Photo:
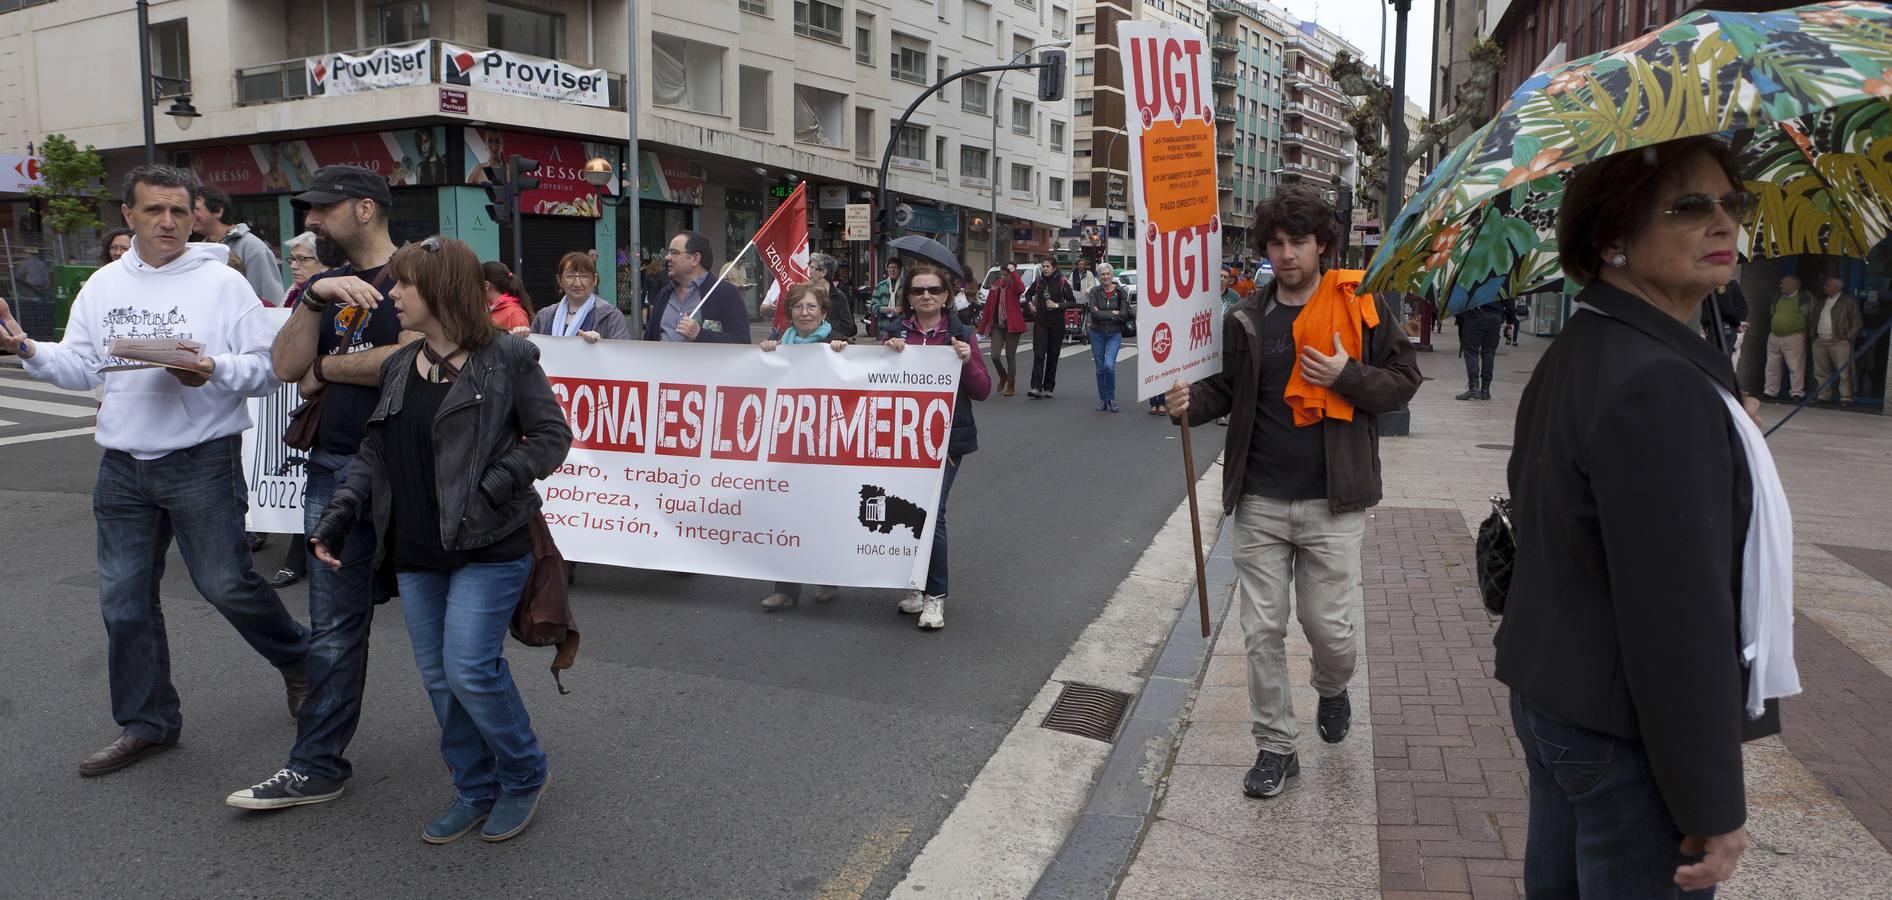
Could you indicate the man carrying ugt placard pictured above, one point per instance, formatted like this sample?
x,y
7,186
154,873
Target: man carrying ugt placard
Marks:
x,y
1307,365
334,349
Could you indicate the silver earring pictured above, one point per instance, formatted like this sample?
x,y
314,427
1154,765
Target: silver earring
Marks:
x,y
1619,260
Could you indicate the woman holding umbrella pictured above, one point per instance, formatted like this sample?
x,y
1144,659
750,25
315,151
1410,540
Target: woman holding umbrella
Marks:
x,y
1654,546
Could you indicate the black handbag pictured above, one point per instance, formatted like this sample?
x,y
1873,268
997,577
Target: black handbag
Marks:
x,y
1497,555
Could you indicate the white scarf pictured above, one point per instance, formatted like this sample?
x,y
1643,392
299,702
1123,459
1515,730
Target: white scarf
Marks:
x,y
558,316
1766,573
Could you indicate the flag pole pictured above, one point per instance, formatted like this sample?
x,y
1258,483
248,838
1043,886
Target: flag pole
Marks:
x,y
719,278
1195,527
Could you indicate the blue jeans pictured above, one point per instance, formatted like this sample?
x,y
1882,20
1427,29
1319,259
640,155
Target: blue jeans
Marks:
x,y
1104,347
936,567
1598,826
198,496
341,609
457,623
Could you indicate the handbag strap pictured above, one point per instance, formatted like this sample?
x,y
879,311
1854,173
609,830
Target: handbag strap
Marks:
x,y
354,328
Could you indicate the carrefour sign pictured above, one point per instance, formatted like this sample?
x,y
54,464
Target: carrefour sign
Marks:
x,y
17,173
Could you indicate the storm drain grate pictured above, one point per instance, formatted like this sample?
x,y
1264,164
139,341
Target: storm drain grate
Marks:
x,y
1087,710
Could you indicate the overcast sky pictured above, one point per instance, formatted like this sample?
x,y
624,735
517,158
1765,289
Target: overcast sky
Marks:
x,y
1359,22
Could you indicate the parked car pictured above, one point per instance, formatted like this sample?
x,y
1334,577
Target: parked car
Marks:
x,y
1026,270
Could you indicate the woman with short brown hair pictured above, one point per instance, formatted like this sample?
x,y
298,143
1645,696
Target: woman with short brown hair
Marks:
x,y
580,312
465,425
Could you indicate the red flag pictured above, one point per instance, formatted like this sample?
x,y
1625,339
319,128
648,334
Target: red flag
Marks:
x,y
783,245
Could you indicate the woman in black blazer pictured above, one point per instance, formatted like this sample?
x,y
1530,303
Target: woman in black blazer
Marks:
x,y
1623,632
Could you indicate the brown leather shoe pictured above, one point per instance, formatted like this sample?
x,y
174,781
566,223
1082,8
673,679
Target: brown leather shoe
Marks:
x,y
119,754
295,684
1011,384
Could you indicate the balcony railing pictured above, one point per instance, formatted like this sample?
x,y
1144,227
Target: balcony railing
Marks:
x,y
1224,44
1224,8
1225,113
1222,78
1225,150
1331,90
1225,185
1298,108
1303,45
278,82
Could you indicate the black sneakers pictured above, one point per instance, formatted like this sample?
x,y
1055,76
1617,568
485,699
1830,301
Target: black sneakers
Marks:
x,y
284,789
1270,774
1334,718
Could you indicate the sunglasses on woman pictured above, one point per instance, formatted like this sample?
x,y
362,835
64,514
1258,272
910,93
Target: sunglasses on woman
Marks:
x,y
1697,209
919,289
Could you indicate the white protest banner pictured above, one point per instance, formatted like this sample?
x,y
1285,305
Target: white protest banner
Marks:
x,y
1172,169
799,465
278,475
504,72
382,67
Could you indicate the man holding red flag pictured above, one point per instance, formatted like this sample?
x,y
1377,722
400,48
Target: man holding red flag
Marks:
x,y
674,313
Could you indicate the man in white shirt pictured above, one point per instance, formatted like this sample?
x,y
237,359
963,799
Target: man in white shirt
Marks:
x,y
1835,327
172,445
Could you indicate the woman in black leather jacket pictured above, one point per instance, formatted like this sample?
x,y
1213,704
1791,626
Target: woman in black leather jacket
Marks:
x,y
466,423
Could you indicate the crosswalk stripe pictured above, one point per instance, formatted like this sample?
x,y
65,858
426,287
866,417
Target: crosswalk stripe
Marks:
x,y
40,387
67,410
4,423
45,436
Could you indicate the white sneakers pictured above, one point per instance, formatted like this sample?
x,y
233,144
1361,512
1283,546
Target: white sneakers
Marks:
x,y
931,609
933,613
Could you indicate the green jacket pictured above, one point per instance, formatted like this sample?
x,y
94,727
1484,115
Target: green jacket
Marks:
x,y
1806,308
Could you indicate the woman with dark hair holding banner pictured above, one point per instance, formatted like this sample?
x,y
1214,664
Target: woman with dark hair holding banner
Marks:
x,y
465,424
808,309
924,322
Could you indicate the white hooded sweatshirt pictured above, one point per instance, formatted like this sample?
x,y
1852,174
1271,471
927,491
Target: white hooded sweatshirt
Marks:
x,y
147,412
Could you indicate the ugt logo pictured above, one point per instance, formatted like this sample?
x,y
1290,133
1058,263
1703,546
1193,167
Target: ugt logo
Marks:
x,y
1160,343
1200,328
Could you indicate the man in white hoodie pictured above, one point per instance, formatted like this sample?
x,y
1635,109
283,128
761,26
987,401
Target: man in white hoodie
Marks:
x,y
172,445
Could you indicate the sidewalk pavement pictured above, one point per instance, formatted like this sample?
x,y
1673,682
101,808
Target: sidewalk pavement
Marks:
x,y
1427,796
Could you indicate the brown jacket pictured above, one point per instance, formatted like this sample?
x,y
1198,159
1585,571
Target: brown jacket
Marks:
x,y
1847,321
1382,383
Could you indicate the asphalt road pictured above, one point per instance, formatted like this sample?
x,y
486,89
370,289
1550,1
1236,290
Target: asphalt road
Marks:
x,y
707,750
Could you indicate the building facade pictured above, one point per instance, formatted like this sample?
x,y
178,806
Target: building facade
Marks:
x,y
738,100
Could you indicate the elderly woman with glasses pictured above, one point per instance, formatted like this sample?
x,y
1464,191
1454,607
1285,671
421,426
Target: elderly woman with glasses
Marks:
x,y
580,312
808,310
1648,628
924,321
303,265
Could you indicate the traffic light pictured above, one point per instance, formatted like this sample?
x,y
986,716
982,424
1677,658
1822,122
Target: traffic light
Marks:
x,y
522,178
1051,77
499,199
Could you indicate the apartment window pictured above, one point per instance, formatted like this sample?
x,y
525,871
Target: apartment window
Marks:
x,y
686,74
1054,191
1081,188
171,56
402,22
753,98
818,20
974,93
1087,28
1082,106
1057,135
1060,21
939,75
978,24
972,162
864,132
1021,179
939,155
523,30
1021,116
864,39
910,144
819,115
1021,46
759,7
1028,4
909,58
1086,65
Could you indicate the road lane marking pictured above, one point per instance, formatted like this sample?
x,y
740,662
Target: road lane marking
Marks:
x,y
870,856
46,436
28,384
67,410
4,423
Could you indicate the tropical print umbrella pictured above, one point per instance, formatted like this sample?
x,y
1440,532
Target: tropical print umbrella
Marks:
x,y
1804,95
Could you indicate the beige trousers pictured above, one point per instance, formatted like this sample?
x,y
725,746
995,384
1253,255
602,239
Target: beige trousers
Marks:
x,y
1789,351
1829,354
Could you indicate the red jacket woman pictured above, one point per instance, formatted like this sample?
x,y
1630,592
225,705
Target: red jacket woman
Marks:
x,y
1002,322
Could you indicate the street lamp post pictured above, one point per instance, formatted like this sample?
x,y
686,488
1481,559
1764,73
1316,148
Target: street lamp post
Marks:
x,y
181,111
992,226
1396,153
1110,187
